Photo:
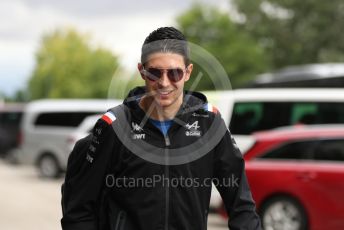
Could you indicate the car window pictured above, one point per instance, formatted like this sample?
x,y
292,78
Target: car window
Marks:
x,y
318,150
249,117
302,150
65,119
329,150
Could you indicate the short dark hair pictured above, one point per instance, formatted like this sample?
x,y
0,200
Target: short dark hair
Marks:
x,y
165,40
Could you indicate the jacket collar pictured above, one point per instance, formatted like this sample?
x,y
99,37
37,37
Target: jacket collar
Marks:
x,y
192,101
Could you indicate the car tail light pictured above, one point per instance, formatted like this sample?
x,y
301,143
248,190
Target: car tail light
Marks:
x,y
20,138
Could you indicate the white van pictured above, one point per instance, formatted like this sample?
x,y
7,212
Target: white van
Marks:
x,y
249,110
46,127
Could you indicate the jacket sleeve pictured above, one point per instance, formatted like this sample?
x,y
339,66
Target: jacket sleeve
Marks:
x,y
231,181
85,178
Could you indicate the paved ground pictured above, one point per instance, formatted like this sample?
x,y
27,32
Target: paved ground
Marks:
x,y
28,202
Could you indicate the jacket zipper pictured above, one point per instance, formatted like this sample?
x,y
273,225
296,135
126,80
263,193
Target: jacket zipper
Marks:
x,y
120,220
205,219
167,192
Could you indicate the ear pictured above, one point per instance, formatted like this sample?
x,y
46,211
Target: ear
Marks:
x,y
188,72
140,68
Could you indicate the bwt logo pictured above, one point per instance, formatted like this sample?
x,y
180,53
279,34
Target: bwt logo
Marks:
x,y
139,136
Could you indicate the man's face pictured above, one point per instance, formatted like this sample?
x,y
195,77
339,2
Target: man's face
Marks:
x,y
166,92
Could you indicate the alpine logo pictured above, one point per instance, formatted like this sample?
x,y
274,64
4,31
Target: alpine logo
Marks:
x,y
194,126
193,129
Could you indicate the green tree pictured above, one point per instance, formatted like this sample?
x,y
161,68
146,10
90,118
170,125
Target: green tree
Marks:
x,y
124,80
2,97
19,96
296,32
68,67
240,55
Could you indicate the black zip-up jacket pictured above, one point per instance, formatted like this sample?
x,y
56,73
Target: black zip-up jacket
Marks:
x,y
167,189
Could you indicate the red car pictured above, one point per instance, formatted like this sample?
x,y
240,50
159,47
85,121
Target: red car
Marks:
x,y
297,177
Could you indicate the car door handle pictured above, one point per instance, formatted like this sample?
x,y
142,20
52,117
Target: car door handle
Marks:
x,y
306,176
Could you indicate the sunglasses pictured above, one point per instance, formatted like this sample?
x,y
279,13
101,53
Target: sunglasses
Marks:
x,y
173,74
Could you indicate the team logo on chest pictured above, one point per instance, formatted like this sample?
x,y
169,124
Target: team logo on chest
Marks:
x,y
136,128
192,129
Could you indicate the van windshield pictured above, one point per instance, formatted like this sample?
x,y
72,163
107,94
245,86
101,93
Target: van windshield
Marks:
x,y
249,117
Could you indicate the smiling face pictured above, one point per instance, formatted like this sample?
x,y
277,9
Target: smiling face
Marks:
x,y
165,93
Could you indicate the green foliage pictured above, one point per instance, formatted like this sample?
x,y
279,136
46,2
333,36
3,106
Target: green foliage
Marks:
x,y
124,81
67,67
2,97
240,55
19,96
294,31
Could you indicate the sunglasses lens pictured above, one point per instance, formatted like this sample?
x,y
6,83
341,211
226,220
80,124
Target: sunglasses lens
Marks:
x,y
153,74
175,74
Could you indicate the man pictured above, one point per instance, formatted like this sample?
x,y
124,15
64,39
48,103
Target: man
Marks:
x,y
152,178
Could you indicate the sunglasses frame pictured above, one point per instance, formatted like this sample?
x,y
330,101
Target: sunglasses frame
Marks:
x,y
154,78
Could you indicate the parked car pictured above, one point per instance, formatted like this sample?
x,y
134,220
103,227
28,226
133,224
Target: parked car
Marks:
x,y
46,126
10,118
296,177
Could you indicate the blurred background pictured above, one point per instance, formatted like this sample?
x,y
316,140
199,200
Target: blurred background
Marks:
x,y
284,59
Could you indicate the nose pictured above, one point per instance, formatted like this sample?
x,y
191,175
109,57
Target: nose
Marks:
x,y
164,80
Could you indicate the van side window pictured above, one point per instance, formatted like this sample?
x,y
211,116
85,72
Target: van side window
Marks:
x,y
246,117
331,113
249,117
253,116
304,113
64,119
